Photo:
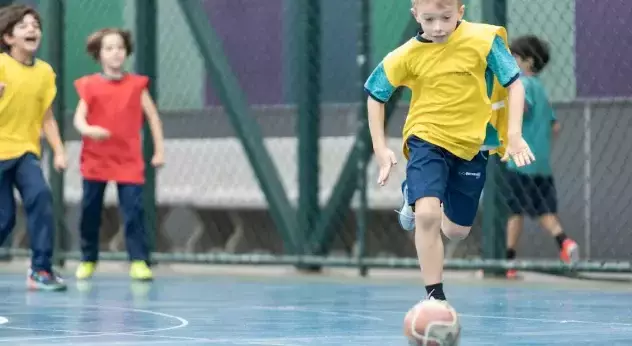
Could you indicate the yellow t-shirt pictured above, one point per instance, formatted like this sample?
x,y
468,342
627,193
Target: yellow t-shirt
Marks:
x,y
450,106
28,93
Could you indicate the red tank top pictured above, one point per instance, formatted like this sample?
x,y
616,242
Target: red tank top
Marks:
x,y
114,105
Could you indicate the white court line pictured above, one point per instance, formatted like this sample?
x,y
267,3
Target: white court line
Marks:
x,y
183,323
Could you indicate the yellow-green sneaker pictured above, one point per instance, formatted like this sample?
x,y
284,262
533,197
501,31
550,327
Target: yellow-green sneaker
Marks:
x,y
139,270
85,270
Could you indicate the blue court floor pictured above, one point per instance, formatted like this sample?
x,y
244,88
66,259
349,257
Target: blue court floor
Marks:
x,y
289,311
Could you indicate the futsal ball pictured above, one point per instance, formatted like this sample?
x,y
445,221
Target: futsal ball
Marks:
x,y
445,330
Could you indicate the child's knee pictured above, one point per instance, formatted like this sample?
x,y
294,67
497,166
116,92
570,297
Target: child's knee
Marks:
x,y
453,231
428,214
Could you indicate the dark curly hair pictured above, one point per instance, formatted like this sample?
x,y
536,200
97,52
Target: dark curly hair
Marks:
x,y
532,47
10,16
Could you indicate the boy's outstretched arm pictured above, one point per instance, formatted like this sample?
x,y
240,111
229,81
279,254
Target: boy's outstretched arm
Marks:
x,y
51,132
504,66
380,89
516,108
385,156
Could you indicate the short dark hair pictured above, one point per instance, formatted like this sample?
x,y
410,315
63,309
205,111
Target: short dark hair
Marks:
x,y
10,16
531,46
95,40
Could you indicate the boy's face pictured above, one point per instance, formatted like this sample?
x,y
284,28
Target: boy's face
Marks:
x,y
438,18
26,35
113,51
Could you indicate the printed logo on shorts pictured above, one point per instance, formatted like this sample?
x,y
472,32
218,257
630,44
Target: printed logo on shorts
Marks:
x,y
476,175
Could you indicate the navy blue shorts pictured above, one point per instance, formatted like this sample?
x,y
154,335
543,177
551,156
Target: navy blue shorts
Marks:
x,y
433,171
533,195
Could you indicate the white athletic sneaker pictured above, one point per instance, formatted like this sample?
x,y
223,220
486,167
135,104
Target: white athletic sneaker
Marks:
x,y
406,216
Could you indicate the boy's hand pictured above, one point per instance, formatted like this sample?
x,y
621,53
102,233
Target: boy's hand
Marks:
x,y
518,150
60,162
385,159
158,160
557,127
97,133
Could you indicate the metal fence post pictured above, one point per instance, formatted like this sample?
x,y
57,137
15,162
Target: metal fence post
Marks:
x,y
53,11
364,63
307,43
146,64
494,214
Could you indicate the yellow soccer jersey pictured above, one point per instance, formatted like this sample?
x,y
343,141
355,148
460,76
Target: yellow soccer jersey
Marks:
x,y
451,85
28,93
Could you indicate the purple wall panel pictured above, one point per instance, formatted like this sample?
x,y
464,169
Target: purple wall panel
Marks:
x,y
604,47
252,34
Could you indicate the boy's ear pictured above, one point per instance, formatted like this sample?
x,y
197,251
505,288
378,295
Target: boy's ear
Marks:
x,y
6,39
461,12
414,13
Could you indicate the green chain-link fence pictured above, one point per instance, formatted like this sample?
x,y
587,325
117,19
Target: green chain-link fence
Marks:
x,y
268,155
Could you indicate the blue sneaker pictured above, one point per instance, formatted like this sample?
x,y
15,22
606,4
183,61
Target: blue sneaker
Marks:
x,y
44,281
406,216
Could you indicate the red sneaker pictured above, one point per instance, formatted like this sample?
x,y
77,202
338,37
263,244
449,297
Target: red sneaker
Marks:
x,y
569,252
512,274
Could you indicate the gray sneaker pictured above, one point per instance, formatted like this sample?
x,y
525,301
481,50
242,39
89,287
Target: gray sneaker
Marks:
x,y
406,216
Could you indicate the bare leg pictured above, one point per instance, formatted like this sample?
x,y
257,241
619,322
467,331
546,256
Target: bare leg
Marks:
x,y
428,240
514,230
569,251
551,224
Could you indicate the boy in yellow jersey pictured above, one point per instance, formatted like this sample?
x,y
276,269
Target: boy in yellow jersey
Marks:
x,y
25,113
447,66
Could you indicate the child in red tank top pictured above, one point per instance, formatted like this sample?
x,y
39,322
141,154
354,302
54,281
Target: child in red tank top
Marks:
x,y
110,115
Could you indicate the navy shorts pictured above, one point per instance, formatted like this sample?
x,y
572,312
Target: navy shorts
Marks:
x,y
433,171
533,195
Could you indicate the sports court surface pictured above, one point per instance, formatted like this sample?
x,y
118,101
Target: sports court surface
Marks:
x,y
305,310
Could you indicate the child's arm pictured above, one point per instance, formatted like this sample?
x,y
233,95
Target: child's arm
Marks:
x,y
51,132
516,109
504,66
556,127
81,124
155,126
380,86
79,120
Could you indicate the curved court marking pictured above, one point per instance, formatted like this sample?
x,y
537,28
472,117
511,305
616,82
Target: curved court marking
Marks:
x,y
317,311
183,323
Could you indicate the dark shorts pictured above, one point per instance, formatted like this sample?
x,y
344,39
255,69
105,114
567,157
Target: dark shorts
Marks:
x,y
531,195
433,171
